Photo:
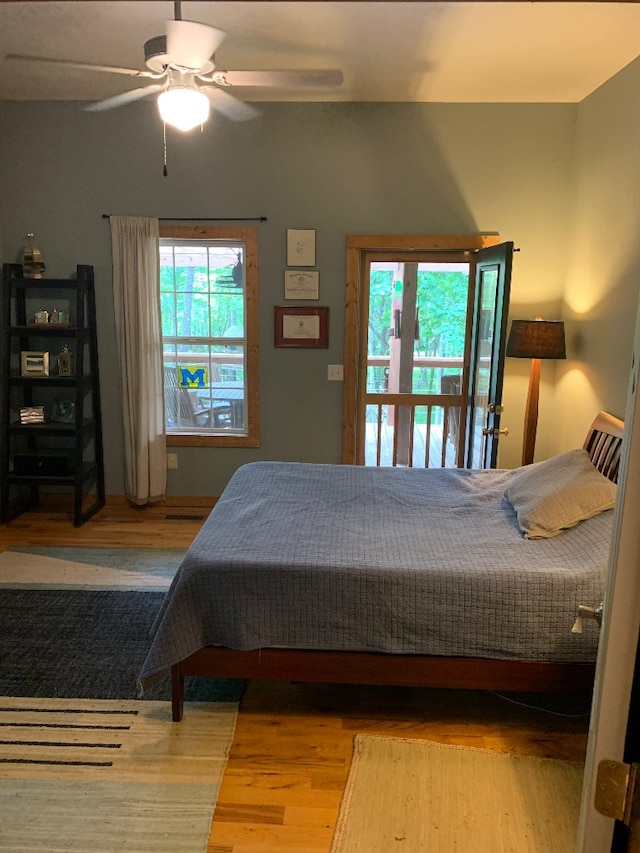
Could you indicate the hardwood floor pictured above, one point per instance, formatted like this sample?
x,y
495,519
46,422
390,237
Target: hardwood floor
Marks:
x,y
292,747
117,525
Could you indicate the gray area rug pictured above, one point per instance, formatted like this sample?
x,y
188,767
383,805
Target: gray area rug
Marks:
x,y
86,644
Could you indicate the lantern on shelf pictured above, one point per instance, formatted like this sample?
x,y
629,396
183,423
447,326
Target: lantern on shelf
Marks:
x,y
66,362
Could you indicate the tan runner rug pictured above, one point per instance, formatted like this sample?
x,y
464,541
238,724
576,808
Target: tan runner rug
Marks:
x,y
110,775
417,796
43,571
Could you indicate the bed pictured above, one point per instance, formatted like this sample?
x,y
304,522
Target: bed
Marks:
x,y
437,577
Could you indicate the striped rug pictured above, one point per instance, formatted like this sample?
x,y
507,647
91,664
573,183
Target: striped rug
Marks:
x,y
110,775
105,775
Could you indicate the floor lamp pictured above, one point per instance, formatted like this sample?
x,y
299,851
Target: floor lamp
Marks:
x,y
534,339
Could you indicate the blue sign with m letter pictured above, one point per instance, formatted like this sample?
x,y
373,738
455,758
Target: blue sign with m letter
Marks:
x,y
193,377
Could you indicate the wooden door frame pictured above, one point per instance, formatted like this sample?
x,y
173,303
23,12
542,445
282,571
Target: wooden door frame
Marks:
x,y
357,246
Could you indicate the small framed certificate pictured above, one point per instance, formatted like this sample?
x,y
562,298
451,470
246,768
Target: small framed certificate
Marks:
x,y
301,327
301,284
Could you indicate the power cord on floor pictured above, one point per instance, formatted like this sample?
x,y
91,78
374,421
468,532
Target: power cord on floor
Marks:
x,y
538,708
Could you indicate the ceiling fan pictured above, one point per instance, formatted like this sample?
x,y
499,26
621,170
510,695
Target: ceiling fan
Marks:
x,y
182,69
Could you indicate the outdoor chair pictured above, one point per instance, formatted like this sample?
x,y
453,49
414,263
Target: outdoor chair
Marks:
x,y
183,408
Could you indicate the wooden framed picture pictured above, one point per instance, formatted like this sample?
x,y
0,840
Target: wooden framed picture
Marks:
x,y
34,363
301,327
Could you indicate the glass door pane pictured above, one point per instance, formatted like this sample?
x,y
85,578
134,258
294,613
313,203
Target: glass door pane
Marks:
x,y
491,305
488,284
415,354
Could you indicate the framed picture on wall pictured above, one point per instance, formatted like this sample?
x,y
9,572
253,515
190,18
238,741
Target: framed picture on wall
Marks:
x,y
301,284
301,327
301,247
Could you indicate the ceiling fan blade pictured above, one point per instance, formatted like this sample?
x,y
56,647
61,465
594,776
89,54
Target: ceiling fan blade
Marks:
x,y
83,66
190,45
229,106
125,98
279,79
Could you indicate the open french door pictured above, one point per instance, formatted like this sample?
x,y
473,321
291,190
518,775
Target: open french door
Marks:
x,y
488,340
424,351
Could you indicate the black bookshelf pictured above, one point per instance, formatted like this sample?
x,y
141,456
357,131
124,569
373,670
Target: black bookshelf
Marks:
x,y
60,446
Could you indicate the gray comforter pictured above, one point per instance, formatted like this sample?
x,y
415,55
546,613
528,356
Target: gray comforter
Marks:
x,y
406,561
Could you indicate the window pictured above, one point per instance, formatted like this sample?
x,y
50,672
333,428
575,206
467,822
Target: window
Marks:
x,y
209,304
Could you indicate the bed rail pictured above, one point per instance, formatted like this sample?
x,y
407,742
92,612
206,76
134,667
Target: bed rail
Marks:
x,y
378,669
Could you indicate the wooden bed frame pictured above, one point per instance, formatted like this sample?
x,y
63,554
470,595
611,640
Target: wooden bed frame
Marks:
x,y
603,443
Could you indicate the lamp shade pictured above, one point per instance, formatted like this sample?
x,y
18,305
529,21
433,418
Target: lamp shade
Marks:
x,y
183,107
536,339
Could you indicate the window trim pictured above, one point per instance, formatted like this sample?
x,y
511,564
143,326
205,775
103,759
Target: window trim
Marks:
x,y
249,236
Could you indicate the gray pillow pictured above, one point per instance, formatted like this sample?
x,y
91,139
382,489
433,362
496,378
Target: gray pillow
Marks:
x,y
556,494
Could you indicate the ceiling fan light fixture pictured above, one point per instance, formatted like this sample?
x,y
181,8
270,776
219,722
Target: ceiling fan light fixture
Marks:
x,y
183,107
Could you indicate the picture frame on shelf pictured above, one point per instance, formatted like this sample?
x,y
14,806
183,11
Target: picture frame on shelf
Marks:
x,y
301,327
32,415
34,363
63,411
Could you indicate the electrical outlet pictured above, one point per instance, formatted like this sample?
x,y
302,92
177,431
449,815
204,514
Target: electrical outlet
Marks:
x,y
335,373
172,461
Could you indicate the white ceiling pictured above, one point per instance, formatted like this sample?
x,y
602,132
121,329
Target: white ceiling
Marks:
x,y
388,51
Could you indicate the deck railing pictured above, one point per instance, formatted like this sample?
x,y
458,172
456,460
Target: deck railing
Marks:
x,y
413,430
424,430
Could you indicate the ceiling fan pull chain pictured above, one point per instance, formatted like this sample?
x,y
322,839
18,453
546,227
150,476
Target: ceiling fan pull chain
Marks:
x,y
164,148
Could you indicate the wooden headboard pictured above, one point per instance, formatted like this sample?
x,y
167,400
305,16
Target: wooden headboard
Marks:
x,y
604,442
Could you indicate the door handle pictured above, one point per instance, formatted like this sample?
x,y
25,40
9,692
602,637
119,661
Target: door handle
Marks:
x,y
496,433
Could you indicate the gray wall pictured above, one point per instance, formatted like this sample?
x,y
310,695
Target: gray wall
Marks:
x,y
339,168
601,295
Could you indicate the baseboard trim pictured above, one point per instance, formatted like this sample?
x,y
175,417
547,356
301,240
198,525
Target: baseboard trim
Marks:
x,y
169,501
61,502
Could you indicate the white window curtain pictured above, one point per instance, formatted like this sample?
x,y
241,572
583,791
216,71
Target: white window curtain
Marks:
x,y
136,296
